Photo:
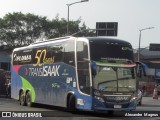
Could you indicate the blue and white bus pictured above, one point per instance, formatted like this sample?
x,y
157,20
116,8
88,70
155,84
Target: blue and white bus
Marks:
x,y
84,73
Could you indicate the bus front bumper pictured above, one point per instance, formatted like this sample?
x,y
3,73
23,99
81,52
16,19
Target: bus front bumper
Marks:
x,y
116,107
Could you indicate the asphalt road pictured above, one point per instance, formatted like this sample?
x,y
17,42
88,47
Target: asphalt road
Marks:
x,y
149,106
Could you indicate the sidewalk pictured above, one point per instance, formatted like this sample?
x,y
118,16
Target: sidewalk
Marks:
x,y
149,101
4,96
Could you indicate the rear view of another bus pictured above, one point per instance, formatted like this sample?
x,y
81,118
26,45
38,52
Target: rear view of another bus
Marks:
x,y
113,74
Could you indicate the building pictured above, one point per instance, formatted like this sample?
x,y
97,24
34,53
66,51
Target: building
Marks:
x,y
5,60
152,61
5,63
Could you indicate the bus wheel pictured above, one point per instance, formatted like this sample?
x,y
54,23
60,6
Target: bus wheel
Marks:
x,y
22,98
28,99
72,103
110,112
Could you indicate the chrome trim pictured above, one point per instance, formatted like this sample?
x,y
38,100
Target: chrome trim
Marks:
x,y
117,95
90,72
87,41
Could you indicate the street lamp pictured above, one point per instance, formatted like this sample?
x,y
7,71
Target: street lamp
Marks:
x,y
68,12
140,40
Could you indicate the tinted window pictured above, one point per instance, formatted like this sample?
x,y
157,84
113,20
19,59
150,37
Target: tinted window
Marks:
x,y
69,52
101,50
56,52
42,55
22,57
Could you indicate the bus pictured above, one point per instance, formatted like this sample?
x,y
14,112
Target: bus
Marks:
x,y
78,73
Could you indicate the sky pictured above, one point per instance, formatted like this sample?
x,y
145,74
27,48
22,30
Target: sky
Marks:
x,y
131,15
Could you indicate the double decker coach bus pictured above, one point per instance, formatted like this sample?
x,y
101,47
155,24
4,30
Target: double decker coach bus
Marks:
x,y
84,73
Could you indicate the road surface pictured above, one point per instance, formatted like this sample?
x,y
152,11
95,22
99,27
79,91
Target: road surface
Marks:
x,y
150,107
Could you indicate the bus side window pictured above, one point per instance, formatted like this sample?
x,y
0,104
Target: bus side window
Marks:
x,y
69,53
57,53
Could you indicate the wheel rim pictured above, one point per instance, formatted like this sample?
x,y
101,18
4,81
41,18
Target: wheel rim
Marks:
x,y
22,98
28,99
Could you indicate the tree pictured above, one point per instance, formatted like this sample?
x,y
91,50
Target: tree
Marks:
x,y
18,29
58,27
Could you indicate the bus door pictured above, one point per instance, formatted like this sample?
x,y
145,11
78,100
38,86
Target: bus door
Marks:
x,y
83,67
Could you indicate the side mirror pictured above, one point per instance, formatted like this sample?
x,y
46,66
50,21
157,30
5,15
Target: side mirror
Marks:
x,y
94,68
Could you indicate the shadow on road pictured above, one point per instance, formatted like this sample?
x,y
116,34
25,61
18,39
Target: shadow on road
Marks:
x,y
54,111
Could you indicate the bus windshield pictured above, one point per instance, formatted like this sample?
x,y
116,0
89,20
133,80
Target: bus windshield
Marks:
x,y
100,50
115,79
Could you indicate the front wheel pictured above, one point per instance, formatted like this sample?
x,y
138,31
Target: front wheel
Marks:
x,y
110,112
140,102
28,99
72,104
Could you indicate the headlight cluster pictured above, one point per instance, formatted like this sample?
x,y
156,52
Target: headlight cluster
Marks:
x,y
133,99
99,98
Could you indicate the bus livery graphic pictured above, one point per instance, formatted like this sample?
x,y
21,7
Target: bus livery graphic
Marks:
x,y
85,73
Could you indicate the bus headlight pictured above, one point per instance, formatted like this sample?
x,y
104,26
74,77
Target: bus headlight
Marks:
x,y
133,99
99,98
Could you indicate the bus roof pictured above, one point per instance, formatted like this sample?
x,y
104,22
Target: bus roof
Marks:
x,y
93,39
39,43
107,39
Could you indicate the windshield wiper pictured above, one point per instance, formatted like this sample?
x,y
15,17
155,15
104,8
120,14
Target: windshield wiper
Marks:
x,y
102,89
111,88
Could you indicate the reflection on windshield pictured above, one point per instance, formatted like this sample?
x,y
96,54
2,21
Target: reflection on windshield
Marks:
x,y
115,79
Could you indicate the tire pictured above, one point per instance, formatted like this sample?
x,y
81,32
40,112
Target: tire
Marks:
x,y
9,92
140,103
72,104
29,99
22,98
110,112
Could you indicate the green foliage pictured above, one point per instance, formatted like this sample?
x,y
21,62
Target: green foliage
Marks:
x,y
18,29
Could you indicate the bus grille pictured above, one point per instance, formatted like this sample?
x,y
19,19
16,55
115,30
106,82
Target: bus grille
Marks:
x,y
117,99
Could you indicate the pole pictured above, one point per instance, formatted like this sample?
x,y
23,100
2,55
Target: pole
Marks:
x,y
68,21
139,45
140,41
68,12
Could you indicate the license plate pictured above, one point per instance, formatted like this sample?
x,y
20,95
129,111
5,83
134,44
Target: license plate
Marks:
x,y
117,106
